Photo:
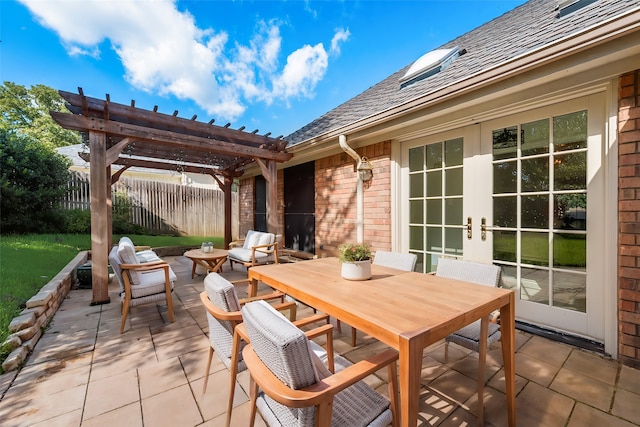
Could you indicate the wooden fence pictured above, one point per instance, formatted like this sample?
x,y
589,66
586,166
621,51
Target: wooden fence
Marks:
x,y
162,207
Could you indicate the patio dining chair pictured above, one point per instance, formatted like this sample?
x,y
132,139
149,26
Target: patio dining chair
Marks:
x,y
397,260
141,283
473,335
223,306
290,385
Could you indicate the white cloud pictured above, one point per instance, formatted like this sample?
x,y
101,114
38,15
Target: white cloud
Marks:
x,y
164,51
339,37
304,69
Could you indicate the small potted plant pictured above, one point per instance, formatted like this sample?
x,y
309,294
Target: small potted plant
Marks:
x,y
356,261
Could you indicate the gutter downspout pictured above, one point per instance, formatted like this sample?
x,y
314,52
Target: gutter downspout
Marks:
x,y
360,190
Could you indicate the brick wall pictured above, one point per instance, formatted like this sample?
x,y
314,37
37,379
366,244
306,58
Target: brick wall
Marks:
x,y
336,200
246,202
629,219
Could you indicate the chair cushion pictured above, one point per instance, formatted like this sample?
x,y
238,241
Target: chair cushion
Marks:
x,y
153,282
280,345
146,255
127,255
257,238
223,295
244,255
298,363
469,336
114,262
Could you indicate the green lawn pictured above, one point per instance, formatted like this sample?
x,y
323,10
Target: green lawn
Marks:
x,y
28,262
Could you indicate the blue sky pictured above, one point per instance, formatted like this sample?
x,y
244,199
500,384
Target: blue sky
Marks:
x,y
268,65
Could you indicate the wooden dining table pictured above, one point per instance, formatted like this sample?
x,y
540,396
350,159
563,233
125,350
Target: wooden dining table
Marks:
x,y
408,311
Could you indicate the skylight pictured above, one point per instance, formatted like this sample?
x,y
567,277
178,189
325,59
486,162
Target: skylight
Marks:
x,y
566,7
429,64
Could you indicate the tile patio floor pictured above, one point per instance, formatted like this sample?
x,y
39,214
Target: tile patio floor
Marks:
x,y
83,372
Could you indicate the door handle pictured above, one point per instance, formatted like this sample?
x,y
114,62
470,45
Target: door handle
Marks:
x,y
469,228
483,229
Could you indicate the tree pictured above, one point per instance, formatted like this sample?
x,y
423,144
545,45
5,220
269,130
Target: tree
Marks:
x,y
33,176
25,112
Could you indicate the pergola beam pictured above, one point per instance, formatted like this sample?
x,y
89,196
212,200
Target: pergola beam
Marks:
x,y
163,137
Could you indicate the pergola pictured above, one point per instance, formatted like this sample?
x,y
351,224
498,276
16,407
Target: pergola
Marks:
x,y
129,136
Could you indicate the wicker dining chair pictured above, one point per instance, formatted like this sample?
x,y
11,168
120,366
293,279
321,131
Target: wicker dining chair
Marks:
x,y
397,260
471,336
290,385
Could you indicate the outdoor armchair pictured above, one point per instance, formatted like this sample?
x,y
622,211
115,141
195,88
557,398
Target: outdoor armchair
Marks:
x,y
290,385
256,248
141,283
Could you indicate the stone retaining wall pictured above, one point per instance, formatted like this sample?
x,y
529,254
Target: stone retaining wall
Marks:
x,y
27,328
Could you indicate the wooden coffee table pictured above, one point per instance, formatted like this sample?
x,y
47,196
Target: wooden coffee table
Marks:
x,y
212,261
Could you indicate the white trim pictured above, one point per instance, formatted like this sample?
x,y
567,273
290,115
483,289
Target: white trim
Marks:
x,y
611,221
399,242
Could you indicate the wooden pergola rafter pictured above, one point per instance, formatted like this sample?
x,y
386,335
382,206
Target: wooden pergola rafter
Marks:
x,y
133,137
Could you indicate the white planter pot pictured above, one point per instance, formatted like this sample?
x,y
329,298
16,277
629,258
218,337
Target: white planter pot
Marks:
x,y
357,270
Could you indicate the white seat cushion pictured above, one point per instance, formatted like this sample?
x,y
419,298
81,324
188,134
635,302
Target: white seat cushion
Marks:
x,y
243,254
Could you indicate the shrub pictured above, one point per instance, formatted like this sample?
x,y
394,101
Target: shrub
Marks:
x,y
33,176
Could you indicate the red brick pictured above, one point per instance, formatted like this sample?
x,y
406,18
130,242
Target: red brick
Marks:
x,y
633,182
627,351
629,205
627,306
626,316
628,125
627,283
631,158
627,261
629,295
628,328
627,171
630,340
627,79
627,92
631,136
627,216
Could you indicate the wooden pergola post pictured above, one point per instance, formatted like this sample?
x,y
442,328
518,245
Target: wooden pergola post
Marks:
x,y
225,186
99,218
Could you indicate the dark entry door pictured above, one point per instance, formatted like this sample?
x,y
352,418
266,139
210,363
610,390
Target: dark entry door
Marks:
x,y
299,207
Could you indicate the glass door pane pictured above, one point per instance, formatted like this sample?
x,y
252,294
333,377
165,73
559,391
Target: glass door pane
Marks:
x,y
539,209
435,201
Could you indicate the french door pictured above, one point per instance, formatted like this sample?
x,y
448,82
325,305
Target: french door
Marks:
x,y
525,192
